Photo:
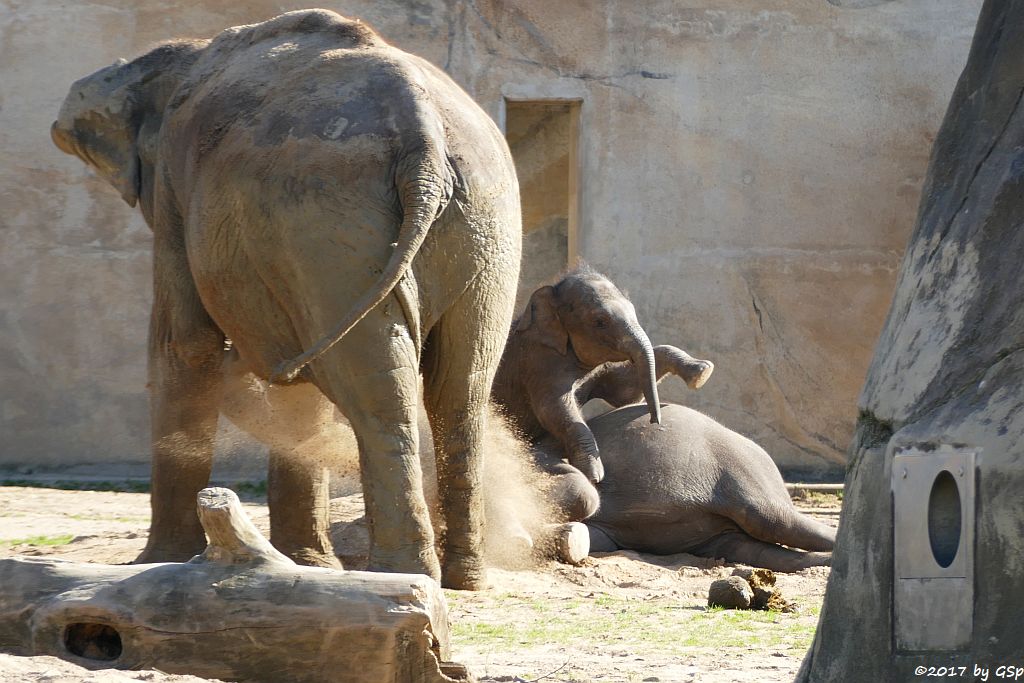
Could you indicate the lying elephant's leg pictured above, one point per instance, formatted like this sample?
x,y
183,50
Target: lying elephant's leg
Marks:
x,y
781,523
185,353
572,493
618,384
694,371
739,547
298,423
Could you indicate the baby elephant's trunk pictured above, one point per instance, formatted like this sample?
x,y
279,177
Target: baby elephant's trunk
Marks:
x,y
642,355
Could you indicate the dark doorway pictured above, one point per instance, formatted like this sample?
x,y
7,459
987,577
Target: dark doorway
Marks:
x,y
542,135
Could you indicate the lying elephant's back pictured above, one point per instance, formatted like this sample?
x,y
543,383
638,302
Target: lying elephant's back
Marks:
x,y
649,463
667,486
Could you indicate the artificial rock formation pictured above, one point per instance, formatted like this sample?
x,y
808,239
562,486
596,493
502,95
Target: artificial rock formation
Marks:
x,y
240,611
933,574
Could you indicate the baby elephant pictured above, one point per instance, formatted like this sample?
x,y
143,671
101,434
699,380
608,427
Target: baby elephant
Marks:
x,y
577,340
689,485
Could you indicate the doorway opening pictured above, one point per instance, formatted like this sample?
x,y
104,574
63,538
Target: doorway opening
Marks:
x,y
543,136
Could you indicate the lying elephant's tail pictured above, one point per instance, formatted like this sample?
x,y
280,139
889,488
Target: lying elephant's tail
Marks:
x,y
425,183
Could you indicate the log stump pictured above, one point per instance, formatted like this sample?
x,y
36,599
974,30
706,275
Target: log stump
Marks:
x,y
239,611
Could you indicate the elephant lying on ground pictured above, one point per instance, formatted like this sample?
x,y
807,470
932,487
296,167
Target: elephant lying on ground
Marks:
x,y
349,218
687,485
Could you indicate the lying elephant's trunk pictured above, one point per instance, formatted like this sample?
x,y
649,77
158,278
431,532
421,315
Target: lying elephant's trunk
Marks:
x,y
642,355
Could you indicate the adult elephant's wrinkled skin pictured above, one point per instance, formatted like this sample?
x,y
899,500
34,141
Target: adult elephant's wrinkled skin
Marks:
x,y
348,217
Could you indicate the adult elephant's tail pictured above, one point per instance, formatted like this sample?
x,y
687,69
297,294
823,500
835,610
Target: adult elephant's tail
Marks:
x,y
425,183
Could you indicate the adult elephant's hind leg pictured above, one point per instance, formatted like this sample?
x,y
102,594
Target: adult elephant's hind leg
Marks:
x,y
741,548
372,375
299,499
462,355
183,412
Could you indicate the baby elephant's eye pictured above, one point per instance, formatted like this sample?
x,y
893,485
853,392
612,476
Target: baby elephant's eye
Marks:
x,y
601,323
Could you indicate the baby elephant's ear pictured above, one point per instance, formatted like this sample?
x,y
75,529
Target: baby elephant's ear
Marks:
x,y
541,316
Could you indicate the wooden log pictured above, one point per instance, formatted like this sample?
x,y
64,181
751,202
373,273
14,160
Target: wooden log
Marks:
x,y
239,611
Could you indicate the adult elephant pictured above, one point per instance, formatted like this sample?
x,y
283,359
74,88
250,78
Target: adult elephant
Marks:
x,y
689,485
348,217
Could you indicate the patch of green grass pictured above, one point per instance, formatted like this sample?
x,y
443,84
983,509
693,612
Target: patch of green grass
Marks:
x,y
247,490
108,518
133,486
653,625
719,627
63,539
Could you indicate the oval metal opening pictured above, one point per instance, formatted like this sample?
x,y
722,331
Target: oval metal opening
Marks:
x,y
944,518
101,642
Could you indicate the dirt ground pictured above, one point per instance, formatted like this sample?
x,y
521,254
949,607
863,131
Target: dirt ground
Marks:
x,y
621,616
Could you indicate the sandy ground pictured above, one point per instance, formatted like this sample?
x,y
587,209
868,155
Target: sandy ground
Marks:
x,y
619,617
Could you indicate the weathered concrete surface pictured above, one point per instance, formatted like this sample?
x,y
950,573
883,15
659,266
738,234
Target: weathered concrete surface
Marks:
x,y
948,369
748,172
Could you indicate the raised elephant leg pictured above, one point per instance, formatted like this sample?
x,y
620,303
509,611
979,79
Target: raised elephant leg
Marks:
x,y
618,384
298,423
372,376
739,547
694,371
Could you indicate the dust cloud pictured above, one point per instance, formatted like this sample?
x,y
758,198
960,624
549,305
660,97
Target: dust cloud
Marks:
x,y
308,430
518,511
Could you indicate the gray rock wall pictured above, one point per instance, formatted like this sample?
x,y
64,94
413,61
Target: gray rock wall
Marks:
x,y
947,371
748,171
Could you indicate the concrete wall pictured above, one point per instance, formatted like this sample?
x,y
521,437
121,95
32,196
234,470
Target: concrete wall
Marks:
x,y
748,170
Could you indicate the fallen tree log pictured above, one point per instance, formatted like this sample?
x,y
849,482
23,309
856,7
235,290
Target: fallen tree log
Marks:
x,y
239,611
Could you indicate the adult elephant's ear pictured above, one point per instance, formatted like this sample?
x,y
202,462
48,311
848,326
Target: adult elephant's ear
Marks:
x,y
99,123
541,316
105,117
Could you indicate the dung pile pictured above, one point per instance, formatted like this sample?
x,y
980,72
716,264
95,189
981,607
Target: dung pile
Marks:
x,y
749,589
